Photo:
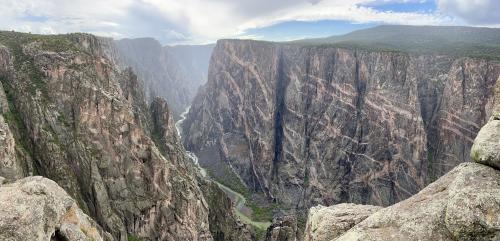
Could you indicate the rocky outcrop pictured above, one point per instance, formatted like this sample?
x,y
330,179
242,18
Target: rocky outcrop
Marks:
x,y
311,125
85,124
164,132
327,223
487,143
174,73
14,163
461,205
10,167
37,209
223,224
283,229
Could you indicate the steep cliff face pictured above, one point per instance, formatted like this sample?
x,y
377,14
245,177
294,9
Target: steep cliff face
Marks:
x,y
80,121
312,124
174,73
461,205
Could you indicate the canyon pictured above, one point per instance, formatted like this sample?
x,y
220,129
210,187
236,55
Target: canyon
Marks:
x,y
172,72
314,122
71,114
365,136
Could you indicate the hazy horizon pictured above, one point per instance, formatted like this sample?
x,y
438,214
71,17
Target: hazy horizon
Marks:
x,y
204,22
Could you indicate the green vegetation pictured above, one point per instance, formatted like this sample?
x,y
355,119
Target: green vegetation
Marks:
x,y
132,237
430,165
451,41
62,119
260,234
24,63
228,178
262,214
159,142
301,221
475,155
231,181
14,119
54,43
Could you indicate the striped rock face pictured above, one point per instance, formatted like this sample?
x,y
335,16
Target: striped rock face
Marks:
x,y
311,125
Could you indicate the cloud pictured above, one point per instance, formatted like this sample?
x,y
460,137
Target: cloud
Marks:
x,y
478,12
214,19
188,21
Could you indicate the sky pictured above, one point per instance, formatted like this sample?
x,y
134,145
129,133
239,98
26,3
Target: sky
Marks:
x,y
204,21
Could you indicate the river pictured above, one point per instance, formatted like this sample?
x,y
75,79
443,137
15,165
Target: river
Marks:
x,y
238,199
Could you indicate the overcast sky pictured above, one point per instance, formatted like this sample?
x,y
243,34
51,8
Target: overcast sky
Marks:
x,y
205,21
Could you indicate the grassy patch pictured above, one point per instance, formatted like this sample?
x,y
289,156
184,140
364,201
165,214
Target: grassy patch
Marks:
x,y
451,41
260,234
54,43
262,213
132,237
23,63
228,178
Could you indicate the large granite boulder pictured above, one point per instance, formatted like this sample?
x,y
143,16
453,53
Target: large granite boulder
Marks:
x,y
326,223
37,209
462,205
486,148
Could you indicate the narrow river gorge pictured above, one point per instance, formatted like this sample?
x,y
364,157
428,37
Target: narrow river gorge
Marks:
x,y
239,201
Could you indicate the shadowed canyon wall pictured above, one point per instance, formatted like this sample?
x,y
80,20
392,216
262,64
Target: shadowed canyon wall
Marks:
x,y
172,72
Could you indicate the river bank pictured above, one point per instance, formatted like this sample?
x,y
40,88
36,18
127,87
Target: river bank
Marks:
x,y
239,200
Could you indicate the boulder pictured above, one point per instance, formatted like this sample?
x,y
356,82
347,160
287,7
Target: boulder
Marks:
x,y
462,205
327,223
486,148
282,229
37,209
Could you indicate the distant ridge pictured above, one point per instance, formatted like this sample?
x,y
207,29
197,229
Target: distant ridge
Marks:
x,y
449,40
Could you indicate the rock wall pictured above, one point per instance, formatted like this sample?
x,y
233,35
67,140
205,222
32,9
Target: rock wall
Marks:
x,y
461,205
283,229
311,125
84,123
174,73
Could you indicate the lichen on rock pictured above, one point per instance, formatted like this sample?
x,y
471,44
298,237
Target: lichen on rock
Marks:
x,y
327,223
37,209
486,148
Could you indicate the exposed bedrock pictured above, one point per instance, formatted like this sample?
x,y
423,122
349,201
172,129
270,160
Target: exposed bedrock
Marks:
x,y
311,125
70,114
